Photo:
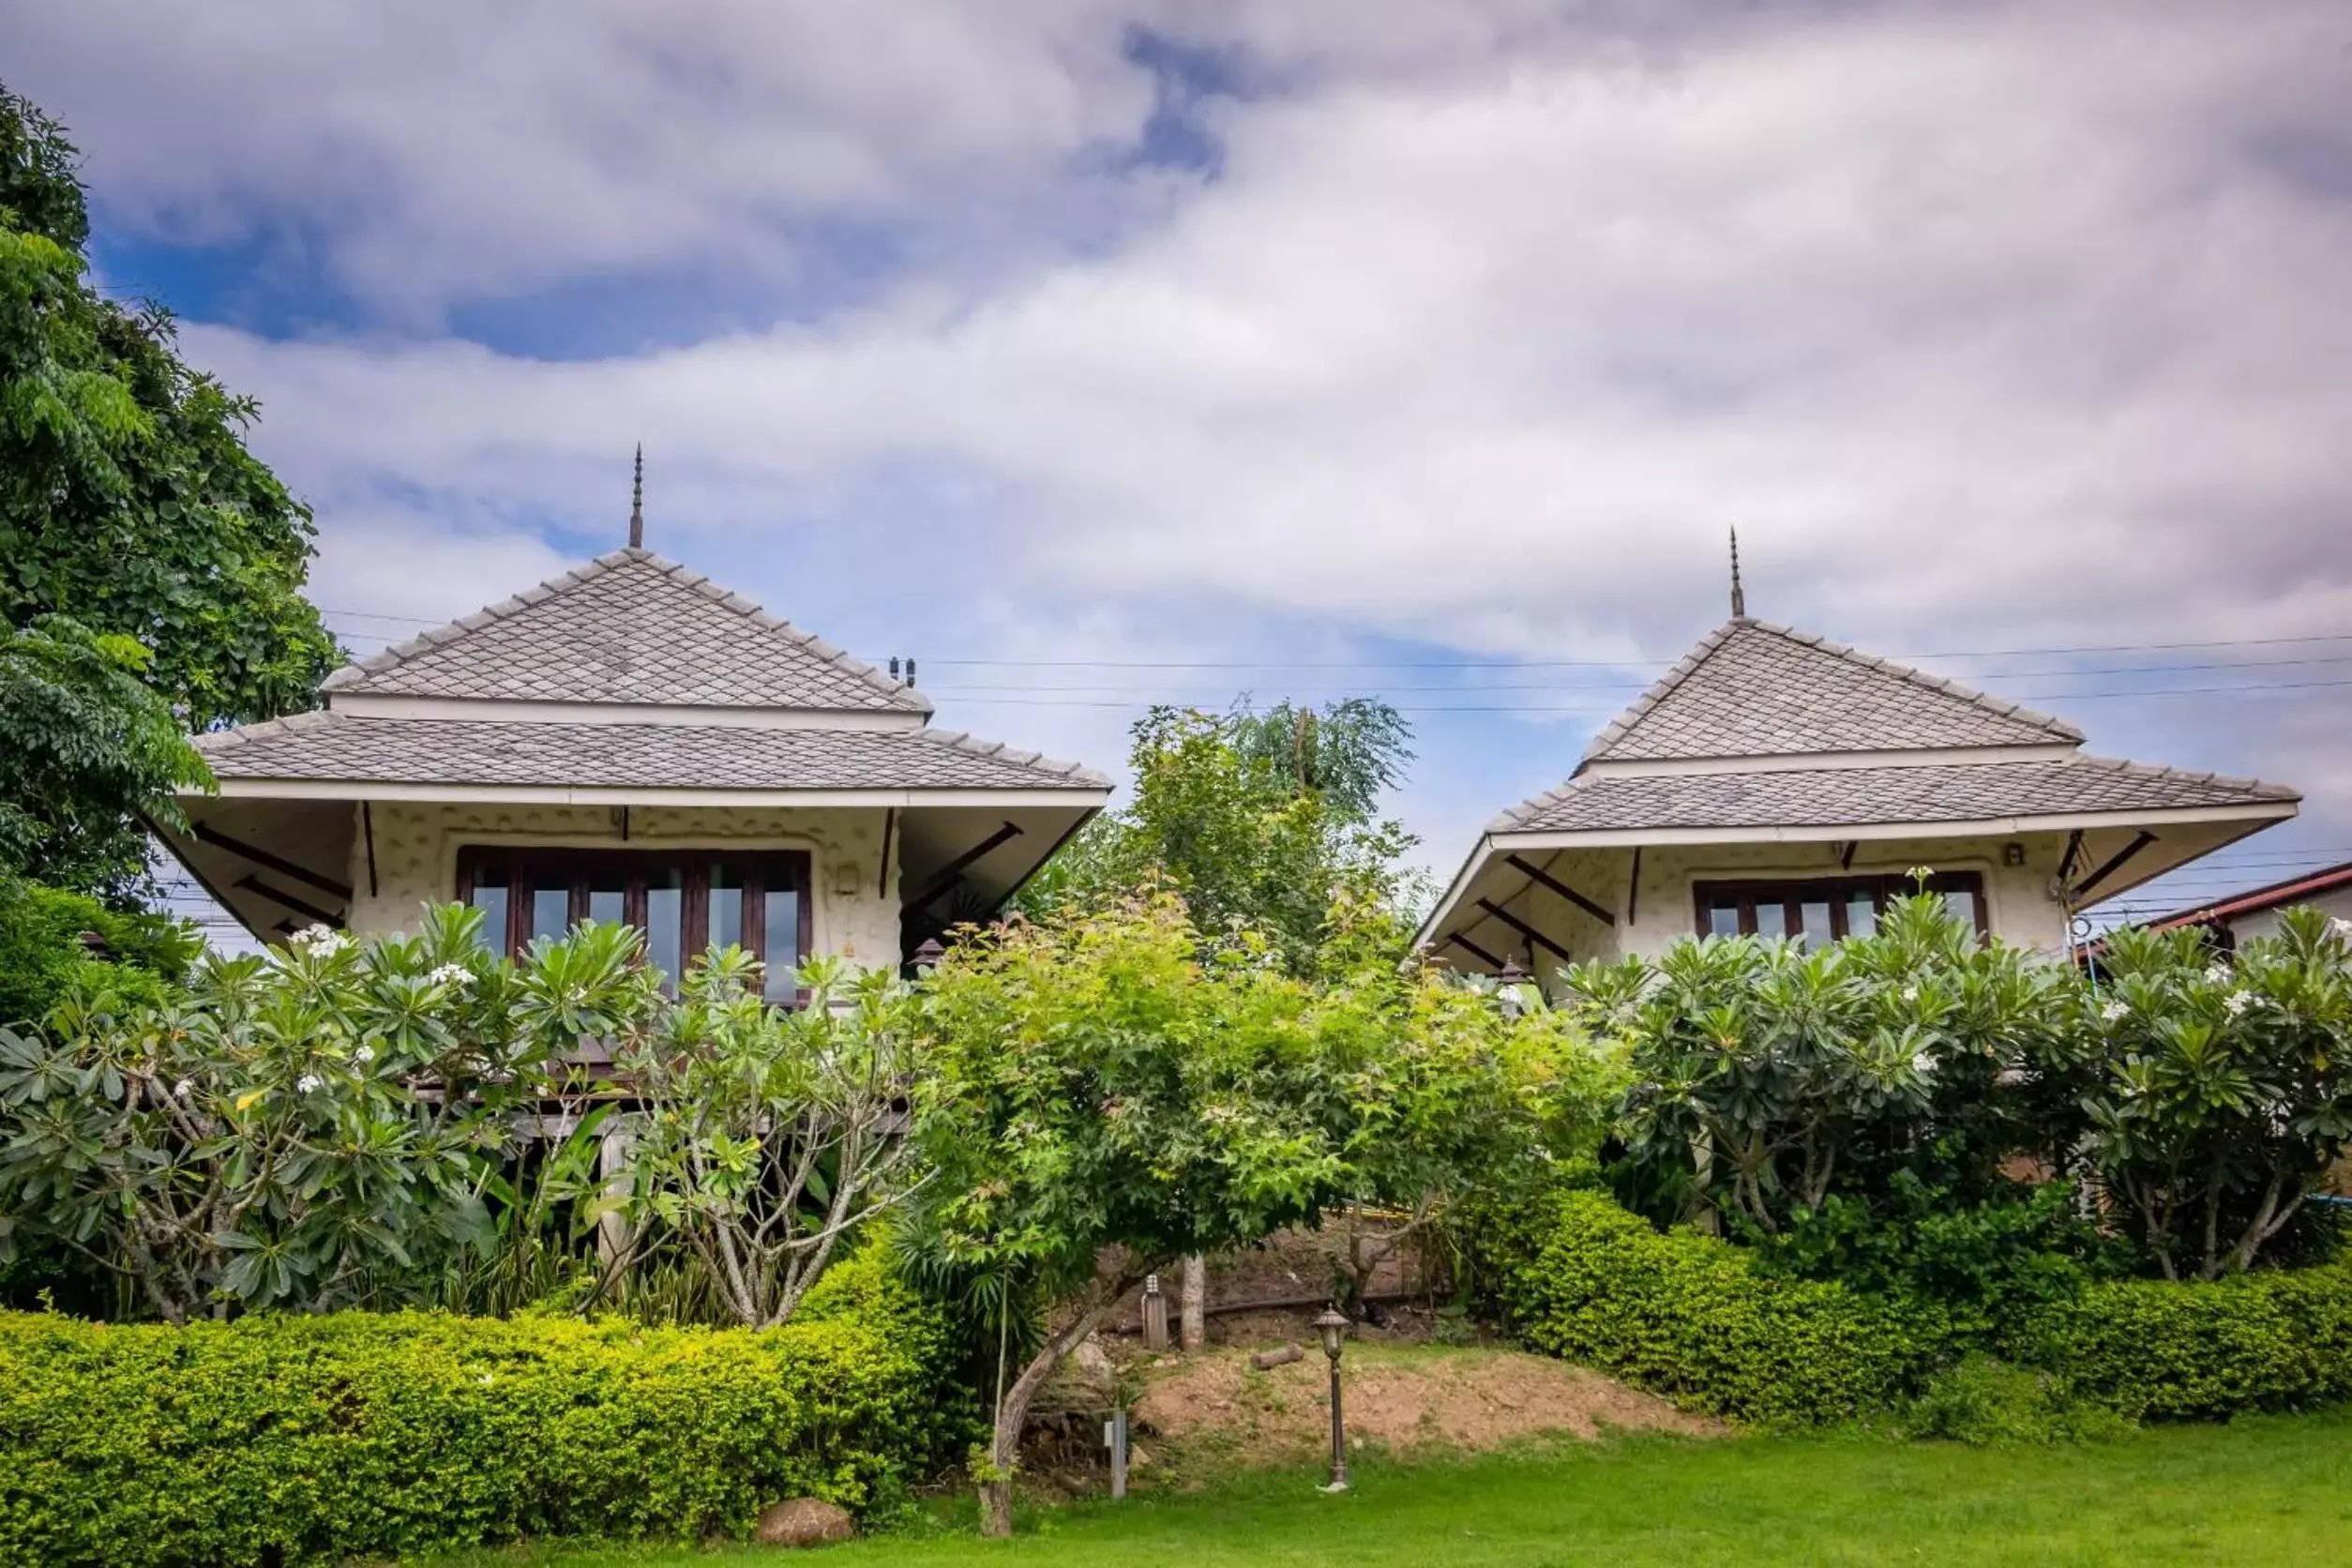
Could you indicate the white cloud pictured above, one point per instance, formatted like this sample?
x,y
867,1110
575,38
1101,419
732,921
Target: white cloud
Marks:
x,y
1985,324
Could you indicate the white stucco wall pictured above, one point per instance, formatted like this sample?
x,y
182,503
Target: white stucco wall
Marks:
x,y
416,858
2019,908
2265,923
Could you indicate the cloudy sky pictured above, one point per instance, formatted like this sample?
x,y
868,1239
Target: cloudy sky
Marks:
x,y
1094,352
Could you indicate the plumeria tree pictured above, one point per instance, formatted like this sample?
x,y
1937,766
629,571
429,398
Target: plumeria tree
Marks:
x,y
1768,1073
2225,1087
764,1136
316,1126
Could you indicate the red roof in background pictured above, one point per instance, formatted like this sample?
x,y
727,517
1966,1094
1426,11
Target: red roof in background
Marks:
x,y
2288,891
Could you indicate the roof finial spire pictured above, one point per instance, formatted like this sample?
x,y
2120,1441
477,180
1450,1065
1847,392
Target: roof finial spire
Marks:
x,y
637,503
1739,594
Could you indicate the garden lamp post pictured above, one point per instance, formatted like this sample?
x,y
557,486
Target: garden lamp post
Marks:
x,y
1507,986
1332,1326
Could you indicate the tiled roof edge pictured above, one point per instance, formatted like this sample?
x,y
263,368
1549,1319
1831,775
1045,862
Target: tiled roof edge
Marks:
x,y
1999,706
1675,676
356,673
957,740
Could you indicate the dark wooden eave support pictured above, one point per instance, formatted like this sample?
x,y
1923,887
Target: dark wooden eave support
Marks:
x,y
1633,890
368,830
1538,875
1846,861
1458,939
254,885
2074,852
2114,864
1538,937
262,858
953,873
890,829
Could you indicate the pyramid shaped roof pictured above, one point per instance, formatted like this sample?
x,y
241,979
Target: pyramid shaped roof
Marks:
x,y
628,627
1755,690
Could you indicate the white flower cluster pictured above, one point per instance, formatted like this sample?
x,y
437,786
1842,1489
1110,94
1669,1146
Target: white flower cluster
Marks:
x,y
310,1083
2114,1012
451,974
2216,974
318,941
364,1054
2237,1002
2343,928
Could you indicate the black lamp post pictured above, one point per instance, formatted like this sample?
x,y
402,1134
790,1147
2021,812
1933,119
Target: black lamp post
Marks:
x,y
1332,1326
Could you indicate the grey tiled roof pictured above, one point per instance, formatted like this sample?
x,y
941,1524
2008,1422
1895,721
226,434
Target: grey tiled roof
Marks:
x,y
334,747
1756,689
628,627
1825,797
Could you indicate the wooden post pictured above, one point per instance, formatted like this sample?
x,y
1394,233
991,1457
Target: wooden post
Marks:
x,y
1155,1314
1115,1436
1194,1324
613,1234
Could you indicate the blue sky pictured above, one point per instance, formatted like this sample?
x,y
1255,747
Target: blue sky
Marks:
x,y
1425,350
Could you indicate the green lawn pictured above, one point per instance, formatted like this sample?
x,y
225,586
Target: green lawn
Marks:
x,y
2261,1491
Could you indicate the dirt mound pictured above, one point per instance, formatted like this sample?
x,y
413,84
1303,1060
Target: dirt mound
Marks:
x,y
1403,1397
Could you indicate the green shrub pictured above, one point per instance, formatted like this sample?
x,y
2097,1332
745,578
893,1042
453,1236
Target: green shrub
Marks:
x,y
282,1438
1986,1403
43,956
1693,1319
2263,1341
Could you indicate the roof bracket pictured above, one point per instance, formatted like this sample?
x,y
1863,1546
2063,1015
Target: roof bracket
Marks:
x,y
2114,864
1538,875
1458,939
1547,943
267,861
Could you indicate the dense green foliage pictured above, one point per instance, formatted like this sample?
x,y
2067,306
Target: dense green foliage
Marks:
x,y
2267,1492
2272,1340
1695,1318
45,956
1701,1321
1807,1094
1259,820
88,752
301,1438
128,499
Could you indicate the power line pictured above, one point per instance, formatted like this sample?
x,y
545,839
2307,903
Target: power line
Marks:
x,y
1494,708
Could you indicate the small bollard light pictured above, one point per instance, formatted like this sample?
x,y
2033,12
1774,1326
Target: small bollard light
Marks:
x,y
1332,1327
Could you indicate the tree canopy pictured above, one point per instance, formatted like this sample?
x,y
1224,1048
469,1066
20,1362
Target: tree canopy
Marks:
x,y
129,504
128,499
1258,819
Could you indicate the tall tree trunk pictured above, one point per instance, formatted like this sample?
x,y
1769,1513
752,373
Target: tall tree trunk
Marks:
x,y
1115,1275
1192,1328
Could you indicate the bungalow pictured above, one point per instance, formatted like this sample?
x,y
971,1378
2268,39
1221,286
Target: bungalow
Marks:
x,y
2256,912
1779,784
628,741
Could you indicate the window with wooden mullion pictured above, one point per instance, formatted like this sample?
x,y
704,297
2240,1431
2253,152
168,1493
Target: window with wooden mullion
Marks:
x,y
1825,909
682,900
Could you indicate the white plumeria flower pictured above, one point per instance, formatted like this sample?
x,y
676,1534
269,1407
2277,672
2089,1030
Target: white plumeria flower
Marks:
x,y
1920,873
2342,928
310,1083
2114,1012
1922,1063
319,942
1910,994
452,974
184,1089
2237,1002
363,1055
2216,974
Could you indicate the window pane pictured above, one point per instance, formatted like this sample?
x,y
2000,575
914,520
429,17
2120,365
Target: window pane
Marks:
x,y
726,906
1722,920
665,910
1862,914
1771,917
783,954
1813,914
550,910
492,902
1961,901
607,904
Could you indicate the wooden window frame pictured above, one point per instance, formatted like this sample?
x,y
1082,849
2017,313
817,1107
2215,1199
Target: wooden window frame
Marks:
x,y
519,868
1790,892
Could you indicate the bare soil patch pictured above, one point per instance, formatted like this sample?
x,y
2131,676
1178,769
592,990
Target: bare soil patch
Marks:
x,y
1213,1404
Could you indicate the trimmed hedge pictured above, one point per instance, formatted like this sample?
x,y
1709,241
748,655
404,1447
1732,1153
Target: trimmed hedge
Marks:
x,y
2269,1341
305,1439
1689,1316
